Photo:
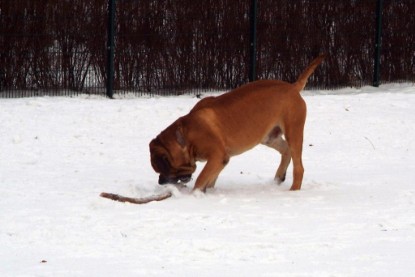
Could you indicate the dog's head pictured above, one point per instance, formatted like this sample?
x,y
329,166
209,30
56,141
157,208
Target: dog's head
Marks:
x,y
170,156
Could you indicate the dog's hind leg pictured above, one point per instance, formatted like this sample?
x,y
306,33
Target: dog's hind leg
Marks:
x,y
296,151
279,144
295,142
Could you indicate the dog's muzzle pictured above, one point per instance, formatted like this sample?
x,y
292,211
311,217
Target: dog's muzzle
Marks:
x,y
164,180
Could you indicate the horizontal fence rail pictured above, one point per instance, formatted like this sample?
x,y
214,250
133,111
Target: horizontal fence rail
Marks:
x,y
51,47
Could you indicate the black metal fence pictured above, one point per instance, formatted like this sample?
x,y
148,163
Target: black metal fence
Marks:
x,y
54,47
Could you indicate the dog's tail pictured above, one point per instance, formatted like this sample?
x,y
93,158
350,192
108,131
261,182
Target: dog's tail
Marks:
x,y
302,79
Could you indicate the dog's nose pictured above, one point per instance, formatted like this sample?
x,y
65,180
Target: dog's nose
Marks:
x,y
163,180
185,178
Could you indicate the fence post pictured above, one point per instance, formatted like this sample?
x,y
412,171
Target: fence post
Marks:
x,y
378,43
110,48
252,40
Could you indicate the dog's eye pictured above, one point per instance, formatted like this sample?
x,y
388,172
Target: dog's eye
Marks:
x,y
163,164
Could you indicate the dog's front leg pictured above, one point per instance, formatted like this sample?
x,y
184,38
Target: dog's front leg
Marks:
x,y
210,172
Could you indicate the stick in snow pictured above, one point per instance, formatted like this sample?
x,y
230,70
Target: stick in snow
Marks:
x,y
143,200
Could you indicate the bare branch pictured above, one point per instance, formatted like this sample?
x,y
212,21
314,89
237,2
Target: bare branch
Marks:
x,y
143,200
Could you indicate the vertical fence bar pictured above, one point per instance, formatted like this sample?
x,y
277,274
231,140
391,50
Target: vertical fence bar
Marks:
x,y
378,43
110,48
253,40
1,79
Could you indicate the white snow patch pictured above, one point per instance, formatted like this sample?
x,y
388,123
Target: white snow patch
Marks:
x,y
355,215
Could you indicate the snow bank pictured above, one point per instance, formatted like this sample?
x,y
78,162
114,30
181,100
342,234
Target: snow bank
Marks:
x,y
355,215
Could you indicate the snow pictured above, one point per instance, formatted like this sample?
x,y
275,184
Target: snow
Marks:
x,y
355,214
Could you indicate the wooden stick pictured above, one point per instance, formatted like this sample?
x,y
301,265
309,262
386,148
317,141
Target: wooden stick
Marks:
x,y
143,200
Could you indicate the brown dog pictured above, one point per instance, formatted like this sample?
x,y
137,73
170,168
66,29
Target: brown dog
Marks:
x,y
230,124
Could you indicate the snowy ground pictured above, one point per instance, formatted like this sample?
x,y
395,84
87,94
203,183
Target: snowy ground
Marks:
x,y
355,215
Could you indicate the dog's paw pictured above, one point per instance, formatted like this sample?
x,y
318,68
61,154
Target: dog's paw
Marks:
x,y
198,193
279,180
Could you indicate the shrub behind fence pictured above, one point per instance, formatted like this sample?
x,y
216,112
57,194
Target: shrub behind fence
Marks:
x,y
169,47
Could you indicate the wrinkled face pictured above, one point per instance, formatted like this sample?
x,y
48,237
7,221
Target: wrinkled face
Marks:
x,y
172,161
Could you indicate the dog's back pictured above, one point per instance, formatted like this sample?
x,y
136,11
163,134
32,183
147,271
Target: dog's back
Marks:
x,y
244,92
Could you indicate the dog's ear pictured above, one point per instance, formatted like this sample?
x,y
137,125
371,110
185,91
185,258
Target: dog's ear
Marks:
x,y
180,137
